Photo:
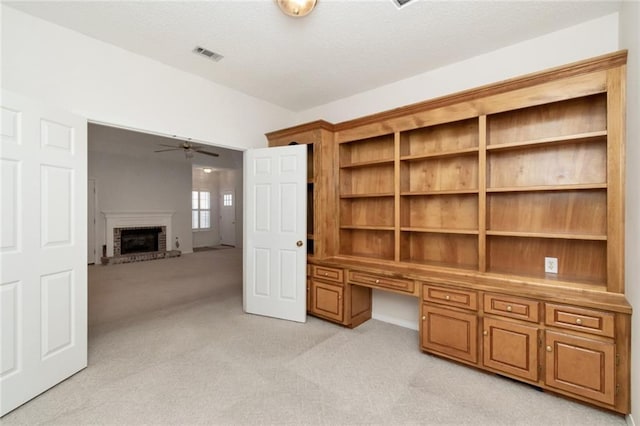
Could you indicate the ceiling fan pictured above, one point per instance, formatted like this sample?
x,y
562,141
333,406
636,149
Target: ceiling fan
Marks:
x,y
189,149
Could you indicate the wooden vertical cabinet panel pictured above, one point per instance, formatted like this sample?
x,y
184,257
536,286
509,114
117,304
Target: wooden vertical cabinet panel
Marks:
x,y
581,261
368,243
511,348
440,249
434,140
580,366
450,333
581,212
377,212
440,174
456,213
318,136
327,300
575,116
548,166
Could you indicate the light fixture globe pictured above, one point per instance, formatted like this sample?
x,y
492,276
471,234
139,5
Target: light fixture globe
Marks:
x,y
296,8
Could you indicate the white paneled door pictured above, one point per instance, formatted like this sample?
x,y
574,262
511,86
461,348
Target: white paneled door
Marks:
x,y
43,248
275,232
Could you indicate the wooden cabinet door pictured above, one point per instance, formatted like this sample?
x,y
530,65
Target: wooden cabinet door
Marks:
x,y
451,333
582,366
309,295
511,348
327,300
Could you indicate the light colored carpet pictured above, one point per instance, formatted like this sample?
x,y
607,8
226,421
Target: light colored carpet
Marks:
x,y
169,344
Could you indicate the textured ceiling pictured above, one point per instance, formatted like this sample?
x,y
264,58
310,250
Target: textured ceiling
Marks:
x,y
342,48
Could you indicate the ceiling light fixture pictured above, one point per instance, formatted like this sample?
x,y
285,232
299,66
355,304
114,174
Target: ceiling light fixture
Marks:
x,y
207,170
296,8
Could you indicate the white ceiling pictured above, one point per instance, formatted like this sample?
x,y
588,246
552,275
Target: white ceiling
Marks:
x,y
342,48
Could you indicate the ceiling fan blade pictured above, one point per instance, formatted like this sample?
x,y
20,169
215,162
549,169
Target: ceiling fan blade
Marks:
x,y
170,146
171,149
213,154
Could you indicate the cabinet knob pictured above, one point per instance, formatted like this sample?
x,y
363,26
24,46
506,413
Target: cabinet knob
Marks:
x,y
424,318
579,321
548,348
447,297
326,274
485,333
509,308
377,281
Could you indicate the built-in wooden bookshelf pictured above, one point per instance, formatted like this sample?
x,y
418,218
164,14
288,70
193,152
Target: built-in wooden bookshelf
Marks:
x,y
460,201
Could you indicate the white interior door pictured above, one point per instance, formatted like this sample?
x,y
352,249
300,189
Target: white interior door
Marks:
x,y
43,249
275,229
228,218
91,222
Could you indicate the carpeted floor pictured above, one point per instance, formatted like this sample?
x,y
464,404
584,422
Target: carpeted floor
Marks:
x,y
169,344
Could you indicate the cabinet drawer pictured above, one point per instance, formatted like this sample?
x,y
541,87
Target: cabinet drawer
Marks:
x,y
464,299
327,273
513,307
580,319
382,282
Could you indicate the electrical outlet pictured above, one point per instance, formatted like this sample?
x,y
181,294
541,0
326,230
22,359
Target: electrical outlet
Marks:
x,y
551,265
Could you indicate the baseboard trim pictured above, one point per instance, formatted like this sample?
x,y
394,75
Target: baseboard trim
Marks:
x,y
630,421
395,321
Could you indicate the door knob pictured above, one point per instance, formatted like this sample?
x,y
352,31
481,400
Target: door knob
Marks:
x,y
299,243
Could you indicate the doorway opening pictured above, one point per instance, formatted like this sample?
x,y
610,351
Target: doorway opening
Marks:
x,y
148,185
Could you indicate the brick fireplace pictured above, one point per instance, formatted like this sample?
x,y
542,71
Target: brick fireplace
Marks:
x,y
115,222
139,239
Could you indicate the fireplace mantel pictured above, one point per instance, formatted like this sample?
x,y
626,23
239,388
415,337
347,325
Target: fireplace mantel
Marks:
x,y
120,219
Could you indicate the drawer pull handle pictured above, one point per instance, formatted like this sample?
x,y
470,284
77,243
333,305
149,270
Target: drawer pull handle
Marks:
x,y
509,308
326,274
485,333
424,318
377,281
548,348
579,321
447,297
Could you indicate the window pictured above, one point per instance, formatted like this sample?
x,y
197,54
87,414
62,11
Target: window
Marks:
x,y
227,200
200,209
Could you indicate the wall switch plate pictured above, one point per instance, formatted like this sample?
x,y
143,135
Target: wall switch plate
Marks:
x,y
551,265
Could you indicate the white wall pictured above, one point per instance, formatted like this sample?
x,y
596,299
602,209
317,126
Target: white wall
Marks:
x,y
630,39
202,181
575,43
131,178
582,41
107,84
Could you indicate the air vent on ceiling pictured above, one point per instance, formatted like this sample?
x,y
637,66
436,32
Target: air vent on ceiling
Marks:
x,y
207,53
400,3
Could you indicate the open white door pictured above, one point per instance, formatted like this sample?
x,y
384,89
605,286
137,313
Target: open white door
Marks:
x,y
43,249
275,229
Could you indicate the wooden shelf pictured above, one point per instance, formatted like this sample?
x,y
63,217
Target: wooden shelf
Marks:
x,y
371,195
368,227
455,153
576,138
443,192
367,163
554,235
441,230
549,188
